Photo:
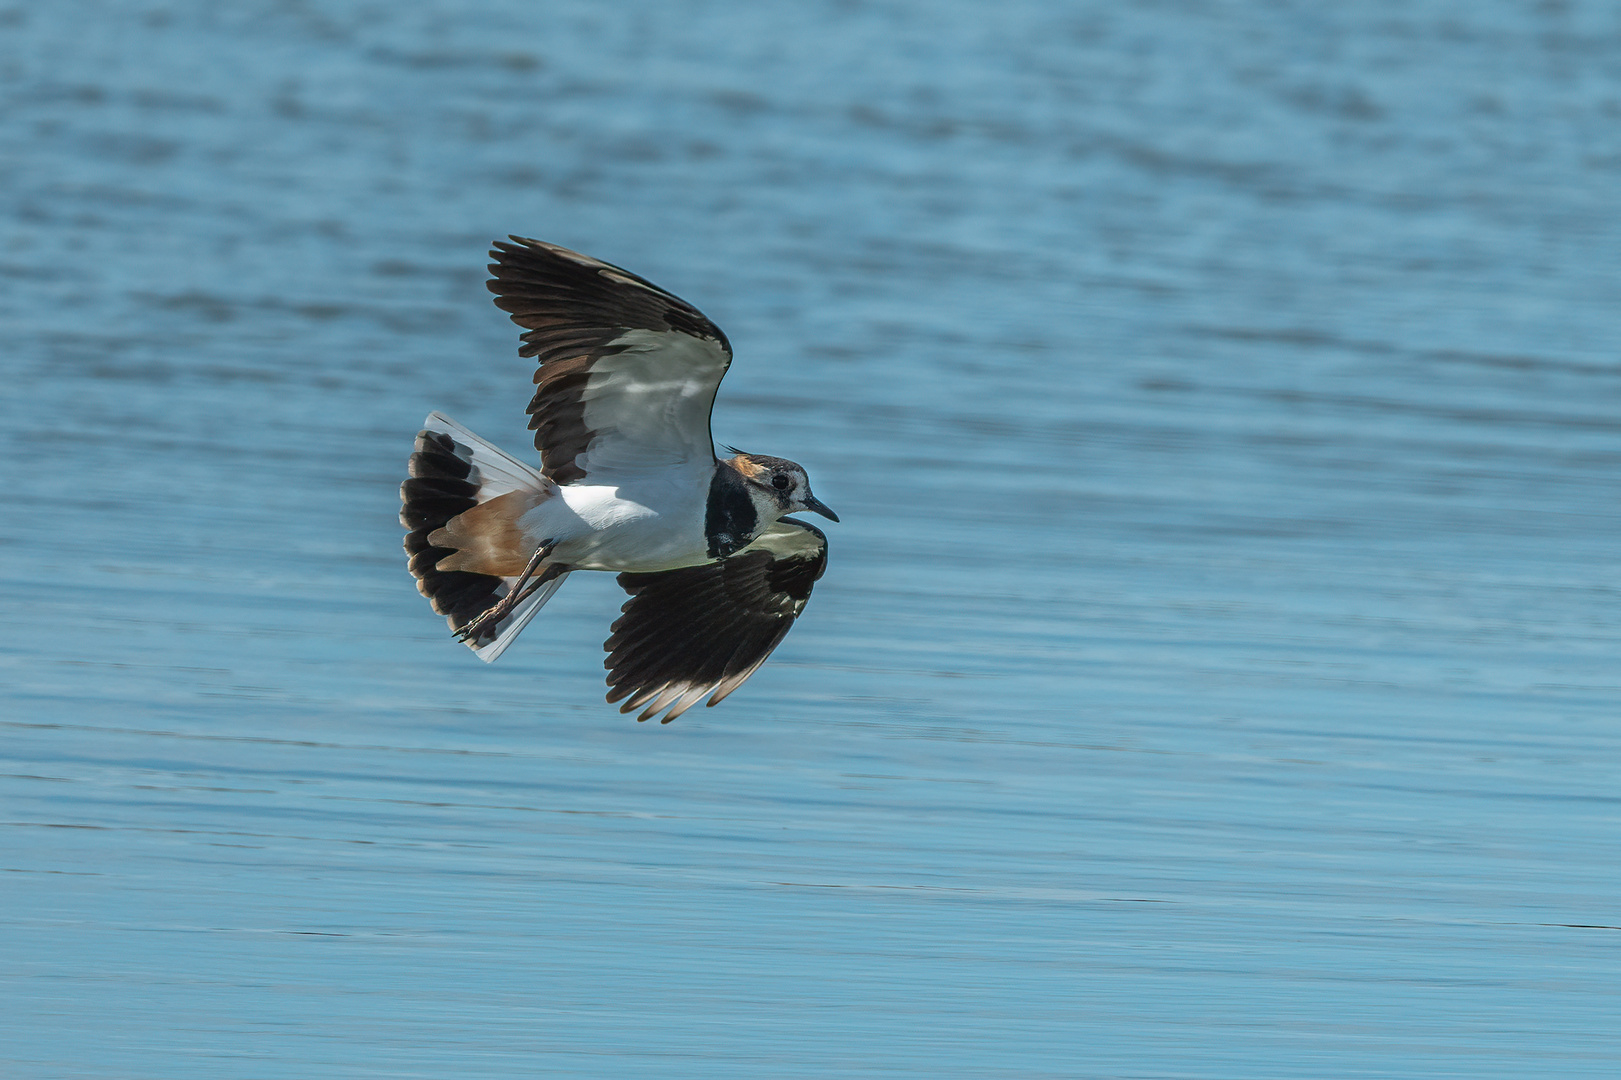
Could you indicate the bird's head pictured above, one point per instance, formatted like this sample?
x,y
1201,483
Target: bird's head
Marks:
x,y
778,483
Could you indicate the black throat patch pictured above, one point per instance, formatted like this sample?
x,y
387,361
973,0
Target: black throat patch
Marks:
x,y
731,521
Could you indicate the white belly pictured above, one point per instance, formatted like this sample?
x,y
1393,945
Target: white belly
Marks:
x,y
637,525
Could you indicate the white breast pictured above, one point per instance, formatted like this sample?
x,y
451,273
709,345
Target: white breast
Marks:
x,y
649,520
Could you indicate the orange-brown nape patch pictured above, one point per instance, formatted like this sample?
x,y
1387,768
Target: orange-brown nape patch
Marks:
x,y
487,538
749,469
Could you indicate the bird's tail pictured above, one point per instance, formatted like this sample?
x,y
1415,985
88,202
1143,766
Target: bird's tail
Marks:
x,y
461,505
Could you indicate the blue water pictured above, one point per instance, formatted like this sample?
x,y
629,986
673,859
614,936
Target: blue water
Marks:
x,y
1216,675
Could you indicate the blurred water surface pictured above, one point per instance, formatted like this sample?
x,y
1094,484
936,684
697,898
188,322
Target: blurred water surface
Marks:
x,y
1216,674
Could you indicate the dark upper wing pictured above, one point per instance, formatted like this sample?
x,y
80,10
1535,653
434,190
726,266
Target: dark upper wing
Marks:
x,y
628,372
687,632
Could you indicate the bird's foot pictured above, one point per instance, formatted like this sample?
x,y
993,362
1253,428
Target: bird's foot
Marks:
x,y
521,590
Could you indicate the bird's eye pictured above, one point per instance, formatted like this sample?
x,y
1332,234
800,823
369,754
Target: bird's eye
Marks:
x,y
780,482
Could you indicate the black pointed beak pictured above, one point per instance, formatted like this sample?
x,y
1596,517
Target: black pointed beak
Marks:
x,y
813,503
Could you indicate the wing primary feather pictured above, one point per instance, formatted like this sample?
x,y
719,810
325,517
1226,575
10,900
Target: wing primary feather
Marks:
x,y
668,695
703,630
686,701
604,339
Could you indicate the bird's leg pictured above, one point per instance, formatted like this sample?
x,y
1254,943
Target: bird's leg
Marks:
x,y
521,590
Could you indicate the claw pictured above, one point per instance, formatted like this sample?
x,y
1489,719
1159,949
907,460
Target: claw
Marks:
x,y
521,590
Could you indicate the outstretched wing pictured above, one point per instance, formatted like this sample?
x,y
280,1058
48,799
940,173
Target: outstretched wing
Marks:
x,y
628,372
704,629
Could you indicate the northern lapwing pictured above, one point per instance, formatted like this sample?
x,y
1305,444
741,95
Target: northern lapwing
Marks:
x,y
628,482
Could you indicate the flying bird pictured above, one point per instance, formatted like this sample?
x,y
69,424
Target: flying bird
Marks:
x,y
629,482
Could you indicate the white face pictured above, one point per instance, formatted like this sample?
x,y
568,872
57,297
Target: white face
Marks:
x,y
779,487
776,492
790,485
790,488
